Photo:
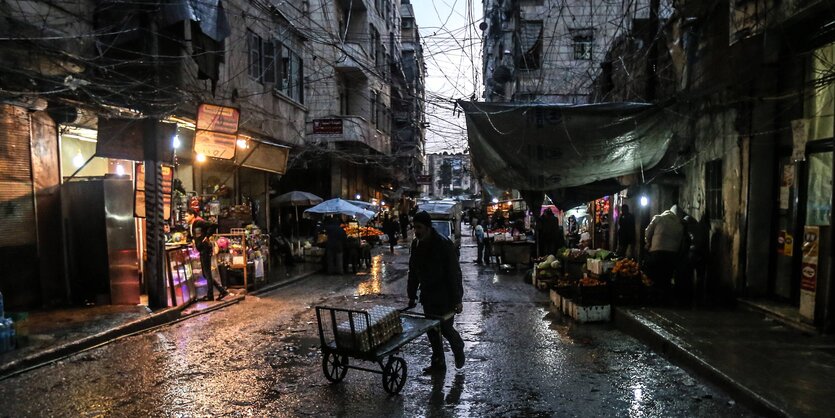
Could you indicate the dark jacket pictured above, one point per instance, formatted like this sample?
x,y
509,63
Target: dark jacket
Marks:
x,y
336,237
434,270
199,230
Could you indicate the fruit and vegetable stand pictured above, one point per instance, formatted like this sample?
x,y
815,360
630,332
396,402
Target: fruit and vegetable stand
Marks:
x,y
584,284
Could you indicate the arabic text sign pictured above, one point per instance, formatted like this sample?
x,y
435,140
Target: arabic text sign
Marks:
x,y
218,118
215,144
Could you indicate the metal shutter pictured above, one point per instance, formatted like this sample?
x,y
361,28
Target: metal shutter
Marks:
x,y
17,207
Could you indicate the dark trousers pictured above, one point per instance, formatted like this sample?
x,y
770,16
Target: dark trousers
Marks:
x,y
211,282
480,250
392,241
660,266
449,333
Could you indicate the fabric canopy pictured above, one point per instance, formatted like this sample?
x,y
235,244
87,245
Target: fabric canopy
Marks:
x,y
341,207
552,147
297,198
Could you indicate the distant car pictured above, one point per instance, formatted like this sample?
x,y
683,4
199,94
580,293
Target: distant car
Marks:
x,y
446,218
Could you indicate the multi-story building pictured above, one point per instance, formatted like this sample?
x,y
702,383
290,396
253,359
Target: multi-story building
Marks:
x,y
548,51
89,90
451,174
409,140
355,58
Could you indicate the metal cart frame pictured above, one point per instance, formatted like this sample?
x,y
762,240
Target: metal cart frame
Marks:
x,y
335,354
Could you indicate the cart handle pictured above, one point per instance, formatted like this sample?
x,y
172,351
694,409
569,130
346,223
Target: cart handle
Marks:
x,y
407,310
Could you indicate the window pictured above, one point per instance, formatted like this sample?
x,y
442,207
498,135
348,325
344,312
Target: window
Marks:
x,y
289,72
253,43
713,189
530,41
374,107
583,43
375,47
269,74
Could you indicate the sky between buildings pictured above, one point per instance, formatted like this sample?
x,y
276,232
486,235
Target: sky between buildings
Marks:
x,y
452,52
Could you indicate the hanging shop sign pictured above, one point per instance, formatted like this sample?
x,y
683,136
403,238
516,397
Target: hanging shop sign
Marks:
x,y
327,126
263,156
120,139
800,135
215,144
809,271
167,181
218,118
423,179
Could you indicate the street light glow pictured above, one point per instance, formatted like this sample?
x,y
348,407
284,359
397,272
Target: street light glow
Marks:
x,y
201,158
644,201
175,142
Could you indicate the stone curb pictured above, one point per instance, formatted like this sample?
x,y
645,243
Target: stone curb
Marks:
x,y
274,286
671,348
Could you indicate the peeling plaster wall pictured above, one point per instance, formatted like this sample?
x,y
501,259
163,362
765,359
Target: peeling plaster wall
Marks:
x,y
715,137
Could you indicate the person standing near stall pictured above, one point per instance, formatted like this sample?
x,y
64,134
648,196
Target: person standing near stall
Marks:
x,y
479,239
435,272
201,231
626,232
335,246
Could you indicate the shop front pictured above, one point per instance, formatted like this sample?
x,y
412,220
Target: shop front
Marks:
x,y
105,219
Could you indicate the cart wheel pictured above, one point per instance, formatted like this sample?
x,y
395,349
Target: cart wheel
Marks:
x,y
394,375
335,367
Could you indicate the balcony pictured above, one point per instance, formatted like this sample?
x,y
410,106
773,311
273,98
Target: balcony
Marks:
x,y
353,59
348,129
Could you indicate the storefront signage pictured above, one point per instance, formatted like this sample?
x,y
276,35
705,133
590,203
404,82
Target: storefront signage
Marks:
x,y
121,139
265,157
218,118
167,181
423,179
140,176
215,144
809,271
327,126
139,203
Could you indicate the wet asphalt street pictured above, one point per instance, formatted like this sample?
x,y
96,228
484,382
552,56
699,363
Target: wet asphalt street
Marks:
x,y
261,358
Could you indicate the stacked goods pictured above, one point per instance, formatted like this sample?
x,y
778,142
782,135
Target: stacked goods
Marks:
x,y
362,231
591,291
628,283
383,323
546,271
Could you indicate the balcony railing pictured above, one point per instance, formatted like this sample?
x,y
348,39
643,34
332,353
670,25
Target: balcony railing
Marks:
x,y
353,58
349,129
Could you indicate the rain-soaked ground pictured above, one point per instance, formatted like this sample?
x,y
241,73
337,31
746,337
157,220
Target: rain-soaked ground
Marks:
x,y
261,358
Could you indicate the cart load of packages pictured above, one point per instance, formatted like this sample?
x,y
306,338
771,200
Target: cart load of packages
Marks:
x,y
383,323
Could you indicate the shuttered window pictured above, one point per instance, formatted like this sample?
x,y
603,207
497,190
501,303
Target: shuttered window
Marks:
x,y
17,207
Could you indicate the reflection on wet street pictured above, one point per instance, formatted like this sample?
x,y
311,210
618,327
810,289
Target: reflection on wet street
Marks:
x,y
261,358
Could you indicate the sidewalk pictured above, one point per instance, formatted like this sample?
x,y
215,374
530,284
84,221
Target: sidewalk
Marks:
x,y
779,371
47,336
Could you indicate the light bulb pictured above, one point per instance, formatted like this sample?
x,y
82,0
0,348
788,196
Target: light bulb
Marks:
x,y
495,200
201,158
357,196
644,201
175,142
242,144
120,170
78,160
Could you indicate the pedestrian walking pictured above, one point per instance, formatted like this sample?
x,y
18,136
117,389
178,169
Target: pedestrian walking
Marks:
x,y
201,231
390,229
479,239
435,272
335,246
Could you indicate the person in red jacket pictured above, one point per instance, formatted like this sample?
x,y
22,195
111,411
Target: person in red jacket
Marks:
x,y
435,272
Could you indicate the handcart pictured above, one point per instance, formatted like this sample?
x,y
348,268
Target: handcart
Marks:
x,y
336,351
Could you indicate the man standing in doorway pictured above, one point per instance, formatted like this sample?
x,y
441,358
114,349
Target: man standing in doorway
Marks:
x,y
435,271
201,232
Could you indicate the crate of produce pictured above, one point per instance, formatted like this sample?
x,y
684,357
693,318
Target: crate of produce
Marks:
x,y
592,291
592,313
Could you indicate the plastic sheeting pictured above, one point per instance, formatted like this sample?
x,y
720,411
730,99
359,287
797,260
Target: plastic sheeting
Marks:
x,y
554,147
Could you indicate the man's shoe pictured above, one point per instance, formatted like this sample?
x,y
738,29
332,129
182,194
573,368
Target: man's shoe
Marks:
x,y
434,369
459,360
223,295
